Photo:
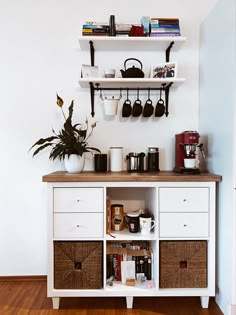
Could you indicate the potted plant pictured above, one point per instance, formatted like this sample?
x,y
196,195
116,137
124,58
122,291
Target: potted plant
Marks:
x,y
70,143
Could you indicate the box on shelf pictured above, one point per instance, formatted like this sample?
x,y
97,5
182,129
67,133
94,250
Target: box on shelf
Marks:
x,y
183,264
78,265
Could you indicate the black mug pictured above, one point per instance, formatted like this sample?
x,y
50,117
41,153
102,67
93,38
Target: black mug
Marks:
x,y
132,219
100,161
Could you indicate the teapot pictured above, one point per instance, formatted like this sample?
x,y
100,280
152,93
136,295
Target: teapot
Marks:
x,y
132,72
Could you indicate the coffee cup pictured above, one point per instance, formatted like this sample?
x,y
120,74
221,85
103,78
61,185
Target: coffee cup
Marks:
x,y
146,224
110,73
191,163
132,220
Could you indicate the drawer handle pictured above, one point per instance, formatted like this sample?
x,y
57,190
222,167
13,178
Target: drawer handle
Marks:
x,y
77,225
184,200
185,225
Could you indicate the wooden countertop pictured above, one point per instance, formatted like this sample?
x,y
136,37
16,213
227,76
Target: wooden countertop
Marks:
x,y
162,176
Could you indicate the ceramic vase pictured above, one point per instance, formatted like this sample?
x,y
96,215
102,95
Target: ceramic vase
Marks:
x,y
74,163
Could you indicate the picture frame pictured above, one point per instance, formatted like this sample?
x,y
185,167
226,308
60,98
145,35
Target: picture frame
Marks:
x,y
164,70
88,71
127,270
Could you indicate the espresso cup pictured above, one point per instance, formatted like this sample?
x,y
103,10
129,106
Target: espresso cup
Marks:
x,y
146,224
110,73
191,163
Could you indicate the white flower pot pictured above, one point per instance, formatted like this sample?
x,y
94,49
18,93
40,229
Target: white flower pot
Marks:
x,y
74,163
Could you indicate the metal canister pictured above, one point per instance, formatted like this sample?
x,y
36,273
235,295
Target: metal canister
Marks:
x,y
153,160
117,217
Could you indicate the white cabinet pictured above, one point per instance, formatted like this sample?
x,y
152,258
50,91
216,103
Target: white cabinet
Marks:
x,y
76,225
78,199
184,212
177,225
184,199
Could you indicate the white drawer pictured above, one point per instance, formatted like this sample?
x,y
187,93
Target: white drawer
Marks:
x,y
78,199
184,199
183,224
71,225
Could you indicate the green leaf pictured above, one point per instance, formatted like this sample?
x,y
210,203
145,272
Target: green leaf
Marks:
x,y
43,140
94,149
41,148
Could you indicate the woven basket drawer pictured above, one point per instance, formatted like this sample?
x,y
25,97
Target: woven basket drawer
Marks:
x,y
78,199
184,199
78,265
183,264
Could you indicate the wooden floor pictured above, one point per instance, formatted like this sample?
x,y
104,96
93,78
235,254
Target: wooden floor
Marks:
x,y
30,298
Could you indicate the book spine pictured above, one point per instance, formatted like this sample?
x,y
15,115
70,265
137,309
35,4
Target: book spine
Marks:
x,y
149,268
141,264
108,266
164,34
115,266
120,258
108,215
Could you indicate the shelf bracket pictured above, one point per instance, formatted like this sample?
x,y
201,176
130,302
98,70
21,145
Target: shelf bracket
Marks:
x,y
91,52
92,98
167,89
168,51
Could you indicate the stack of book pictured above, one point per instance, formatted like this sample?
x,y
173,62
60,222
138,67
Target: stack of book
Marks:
x,y
164,27
95,29
141,254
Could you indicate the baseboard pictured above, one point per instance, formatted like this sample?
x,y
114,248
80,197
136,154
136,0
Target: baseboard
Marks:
x,y
23,278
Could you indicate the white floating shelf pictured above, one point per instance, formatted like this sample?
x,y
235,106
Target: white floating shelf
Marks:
x,y
129,82
131,43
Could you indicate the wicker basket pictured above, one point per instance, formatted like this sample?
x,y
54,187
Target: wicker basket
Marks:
x,y
78,265
183,264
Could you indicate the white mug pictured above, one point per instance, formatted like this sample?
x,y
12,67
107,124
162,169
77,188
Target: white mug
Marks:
x,y
146,225
191,163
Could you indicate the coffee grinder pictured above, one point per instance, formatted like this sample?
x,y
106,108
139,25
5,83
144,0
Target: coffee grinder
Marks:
x,y
186,146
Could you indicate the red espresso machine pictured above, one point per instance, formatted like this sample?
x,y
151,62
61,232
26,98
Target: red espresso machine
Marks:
x,y
187,146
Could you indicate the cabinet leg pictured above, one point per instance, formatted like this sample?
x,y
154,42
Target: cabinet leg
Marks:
x,y
55,303
129,301
204,301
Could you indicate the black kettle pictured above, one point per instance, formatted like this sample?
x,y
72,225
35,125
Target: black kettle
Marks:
x,y
132,72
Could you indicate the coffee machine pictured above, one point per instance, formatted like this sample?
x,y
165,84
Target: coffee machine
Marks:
x,y
186,147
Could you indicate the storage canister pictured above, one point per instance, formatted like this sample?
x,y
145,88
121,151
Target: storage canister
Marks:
x,y
116,159
117,217
153,160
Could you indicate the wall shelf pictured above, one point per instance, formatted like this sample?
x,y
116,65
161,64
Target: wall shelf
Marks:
x,y
92,43
129,83
131,43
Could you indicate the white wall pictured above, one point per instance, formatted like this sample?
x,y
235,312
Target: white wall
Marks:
x,y
217,102
40,56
